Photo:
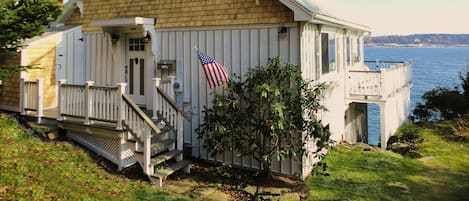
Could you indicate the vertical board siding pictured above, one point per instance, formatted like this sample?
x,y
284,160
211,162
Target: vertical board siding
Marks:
x,y
308,54
99,66
238,49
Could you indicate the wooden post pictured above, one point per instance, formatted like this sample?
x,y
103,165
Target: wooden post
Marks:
x,y
180,135
40,99
60,100
120,105
147,153
22,97
171,92
88,102
156,101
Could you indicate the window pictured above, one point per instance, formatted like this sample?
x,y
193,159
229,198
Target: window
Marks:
x,y
358,51
328,52
347,49
136,44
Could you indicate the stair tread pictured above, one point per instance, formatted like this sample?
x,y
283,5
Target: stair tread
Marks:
x,y
171,169
164,157
159,145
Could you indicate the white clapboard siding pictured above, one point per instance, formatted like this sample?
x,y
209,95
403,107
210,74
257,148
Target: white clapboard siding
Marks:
x,y
238,49
98,59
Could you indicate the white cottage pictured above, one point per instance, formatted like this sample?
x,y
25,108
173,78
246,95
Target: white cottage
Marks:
x,y
145,88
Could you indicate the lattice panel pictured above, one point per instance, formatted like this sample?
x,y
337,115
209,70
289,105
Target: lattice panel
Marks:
x,y
108,145
128,157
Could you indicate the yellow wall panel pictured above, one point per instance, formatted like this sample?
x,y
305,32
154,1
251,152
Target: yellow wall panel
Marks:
x,y
42,55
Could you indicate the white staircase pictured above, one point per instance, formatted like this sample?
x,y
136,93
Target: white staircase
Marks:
x,y
156,144
156,147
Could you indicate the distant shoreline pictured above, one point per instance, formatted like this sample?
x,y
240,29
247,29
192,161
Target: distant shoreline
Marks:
x,y
419,40
415,45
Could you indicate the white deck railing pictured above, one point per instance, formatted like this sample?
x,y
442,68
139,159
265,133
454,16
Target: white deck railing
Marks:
x,y
31,96
380,84
104,103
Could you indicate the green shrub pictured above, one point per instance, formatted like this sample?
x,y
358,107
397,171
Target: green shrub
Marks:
x,y
409,132
269,115
443,103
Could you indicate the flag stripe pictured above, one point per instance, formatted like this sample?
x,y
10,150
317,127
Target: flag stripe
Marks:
x,y
208,80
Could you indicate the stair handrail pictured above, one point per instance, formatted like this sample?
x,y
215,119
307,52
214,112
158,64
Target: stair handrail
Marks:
x,y
140,112
172,103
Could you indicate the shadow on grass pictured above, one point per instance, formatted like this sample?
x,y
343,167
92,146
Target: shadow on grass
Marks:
x,y
382,175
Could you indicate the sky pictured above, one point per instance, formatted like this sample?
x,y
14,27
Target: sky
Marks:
x,y
403,17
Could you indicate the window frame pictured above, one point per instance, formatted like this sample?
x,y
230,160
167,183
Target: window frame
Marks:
x,y
328,65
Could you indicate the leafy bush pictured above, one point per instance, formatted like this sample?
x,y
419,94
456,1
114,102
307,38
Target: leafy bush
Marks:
x,y
269,115
408,135
408,132
443,103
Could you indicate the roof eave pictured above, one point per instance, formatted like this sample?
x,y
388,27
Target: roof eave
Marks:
x,y
303,14
318,18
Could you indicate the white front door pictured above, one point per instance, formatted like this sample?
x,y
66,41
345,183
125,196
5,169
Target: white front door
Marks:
x,y
135,69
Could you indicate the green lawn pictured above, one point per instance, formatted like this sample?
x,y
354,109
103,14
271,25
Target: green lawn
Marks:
x,y
442,173
33,170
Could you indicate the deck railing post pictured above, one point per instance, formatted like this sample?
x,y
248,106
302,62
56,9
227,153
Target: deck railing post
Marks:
x,y
180,134
120,105
22,97
40,99
171,91
147,153
156,100
88,102
60,99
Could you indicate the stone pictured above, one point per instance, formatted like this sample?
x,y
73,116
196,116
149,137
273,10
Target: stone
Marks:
x,y
217,196
401,186
427,158
252,189
202,192
273,191
52,135
290,197
181,187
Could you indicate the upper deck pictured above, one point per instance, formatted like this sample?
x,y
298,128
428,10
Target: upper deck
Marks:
x,y
378,85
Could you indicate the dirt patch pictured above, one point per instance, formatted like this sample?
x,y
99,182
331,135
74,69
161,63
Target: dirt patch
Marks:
x,y
237,183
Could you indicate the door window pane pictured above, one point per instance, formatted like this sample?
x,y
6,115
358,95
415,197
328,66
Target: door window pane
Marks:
x,y
131,76
142,77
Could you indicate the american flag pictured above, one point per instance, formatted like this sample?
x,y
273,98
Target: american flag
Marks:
x,y
216,74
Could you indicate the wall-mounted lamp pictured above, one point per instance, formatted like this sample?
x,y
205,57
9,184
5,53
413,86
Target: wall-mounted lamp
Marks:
x,y
81,39
114,38
282,31
147,38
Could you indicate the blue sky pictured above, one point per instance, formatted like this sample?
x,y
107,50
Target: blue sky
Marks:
x,y
386,17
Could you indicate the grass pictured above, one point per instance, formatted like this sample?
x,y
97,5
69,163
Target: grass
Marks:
x,y
442,173
33,170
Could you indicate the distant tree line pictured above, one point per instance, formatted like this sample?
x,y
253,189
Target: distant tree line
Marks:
x,y
427,39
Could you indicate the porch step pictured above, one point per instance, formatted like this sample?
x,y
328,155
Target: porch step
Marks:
x,y
164,157
163,173
158,147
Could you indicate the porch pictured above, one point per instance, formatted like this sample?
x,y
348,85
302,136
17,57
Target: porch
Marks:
x,y
387,85
108,121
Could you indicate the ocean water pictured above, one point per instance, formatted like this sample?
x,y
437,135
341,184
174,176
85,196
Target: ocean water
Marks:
x,y
431,67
